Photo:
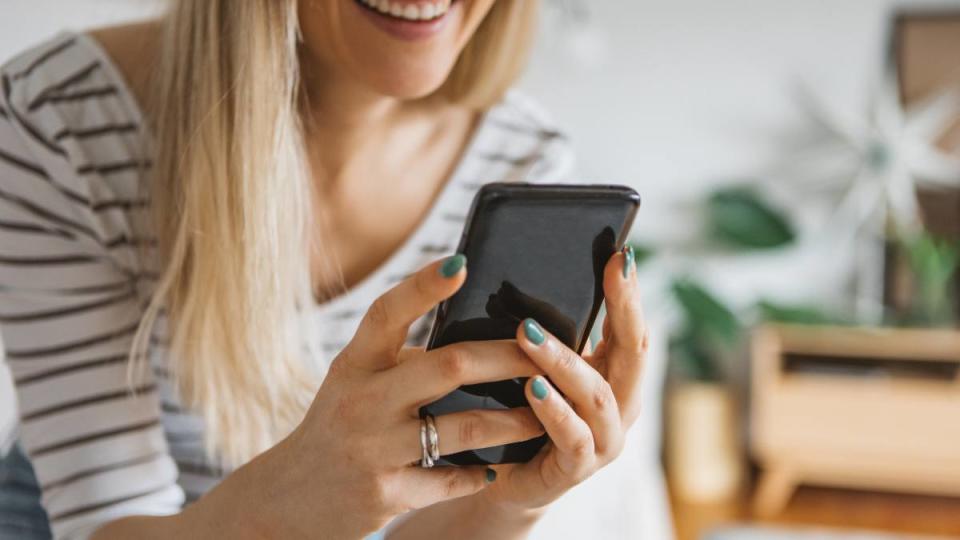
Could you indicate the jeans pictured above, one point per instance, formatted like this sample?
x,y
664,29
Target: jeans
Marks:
x,y
21,516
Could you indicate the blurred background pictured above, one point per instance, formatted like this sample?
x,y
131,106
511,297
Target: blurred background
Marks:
x,y
799,163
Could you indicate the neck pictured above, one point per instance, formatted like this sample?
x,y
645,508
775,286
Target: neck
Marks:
x,y
341,117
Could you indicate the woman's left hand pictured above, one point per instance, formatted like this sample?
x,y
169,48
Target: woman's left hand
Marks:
x,y
586,429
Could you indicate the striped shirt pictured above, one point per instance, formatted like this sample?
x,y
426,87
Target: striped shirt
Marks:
x,y
73,156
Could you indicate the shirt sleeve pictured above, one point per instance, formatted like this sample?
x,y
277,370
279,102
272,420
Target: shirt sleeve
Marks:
x,y
68,312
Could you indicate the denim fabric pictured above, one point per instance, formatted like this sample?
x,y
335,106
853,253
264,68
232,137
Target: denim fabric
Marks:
x,y
21,516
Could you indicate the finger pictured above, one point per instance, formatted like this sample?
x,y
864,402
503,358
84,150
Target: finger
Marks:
x,y
588,347
569,433
425,487
627,341
424,377
461,431
384,327
590,393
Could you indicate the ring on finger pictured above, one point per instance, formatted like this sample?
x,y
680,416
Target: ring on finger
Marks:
x,y
425,460
433,438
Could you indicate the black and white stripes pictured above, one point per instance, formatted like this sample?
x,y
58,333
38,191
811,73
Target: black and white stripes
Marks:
x,y
68,299
73,162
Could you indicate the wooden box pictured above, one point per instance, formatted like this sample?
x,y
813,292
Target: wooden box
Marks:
x,y
854,407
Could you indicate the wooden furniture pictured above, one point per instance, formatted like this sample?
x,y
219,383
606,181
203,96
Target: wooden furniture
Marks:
x,y
819,508
875,409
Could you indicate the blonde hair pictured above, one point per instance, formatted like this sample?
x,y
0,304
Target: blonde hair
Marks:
x,y
230,193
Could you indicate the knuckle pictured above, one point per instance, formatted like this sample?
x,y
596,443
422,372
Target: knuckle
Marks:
x,y
378,314
563,414
611,449
379,493
602,396
367,450
336,369
633,309
450,485
644,342
582,447
471,430
568,361
454,484
636,340
454,364
421,285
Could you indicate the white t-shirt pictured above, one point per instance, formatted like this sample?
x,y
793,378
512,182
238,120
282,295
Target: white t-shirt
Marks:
x,y
72,285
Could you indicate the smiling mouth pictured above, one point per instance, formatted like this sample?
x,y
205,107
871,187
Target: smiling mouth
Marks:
x,y
408,11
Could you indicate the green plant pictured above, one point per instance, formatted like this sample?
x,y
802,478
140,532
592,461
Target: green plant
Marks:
x,y
708,328
774,312
738,217
933,263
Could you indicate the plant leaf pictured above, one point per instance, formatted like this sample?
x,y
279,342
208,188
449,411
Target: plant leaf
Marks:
x,y
770,311
739,217
705,315
933,263
691,358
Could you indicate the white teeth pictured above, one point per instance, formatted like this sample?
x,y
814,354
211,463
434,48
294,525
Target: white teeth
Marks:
x,y
411,12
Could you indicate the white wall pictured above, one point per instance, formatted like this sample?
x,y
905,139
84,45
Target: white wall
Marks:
x,y
673,96
26,22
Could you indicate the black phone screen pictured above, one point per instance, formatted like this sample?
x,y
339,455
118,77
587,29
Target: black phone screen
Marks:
x,y
532,251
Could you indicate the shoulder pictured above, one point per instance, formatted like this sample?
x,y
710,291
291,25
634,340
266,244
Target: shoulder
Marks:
x,y
75,69
132,49
529,134
72,142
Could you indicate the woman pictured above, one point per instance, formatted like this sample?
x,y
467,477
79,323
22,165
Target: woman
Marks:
x,y
224,210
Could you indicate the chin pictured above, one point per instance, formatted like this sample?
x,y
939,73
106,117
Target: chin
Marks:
x,y
406,85
400,48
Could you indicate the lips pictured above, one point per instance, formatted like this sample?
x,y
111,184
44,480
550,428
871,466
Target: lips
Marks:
x,y
404,10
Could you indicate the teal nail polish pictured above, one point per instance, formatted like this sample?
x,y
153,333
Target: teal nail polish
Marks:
x,y
539,388
491,475
533,332
452,265
628,260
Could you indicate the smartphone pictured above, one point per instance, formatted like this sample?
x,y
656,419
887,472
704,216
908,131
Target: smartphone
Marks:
x,y
532,251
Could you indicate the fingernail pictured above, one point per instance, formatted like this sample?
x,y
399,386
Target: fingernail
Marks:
x,y
628,261
452,265
533,331
539,388
491,475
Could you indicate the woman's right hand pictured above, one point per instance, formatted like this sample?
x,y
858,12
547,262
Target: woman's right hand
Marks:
x,y
346,471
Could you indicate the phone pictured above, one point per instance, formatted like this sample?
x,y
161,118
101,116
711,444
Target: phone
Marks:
x,y
532,251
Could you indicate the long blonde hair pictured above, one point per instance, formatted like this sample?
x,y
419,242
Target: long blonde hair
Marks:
x,y
230,192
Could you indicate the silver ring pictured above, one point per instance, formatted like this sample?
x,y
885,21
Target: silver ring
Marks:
x,y
433,437
425,460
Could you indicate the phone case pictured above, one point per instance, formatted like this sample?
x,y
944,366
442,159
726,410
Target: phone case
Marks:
x,y
532,251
